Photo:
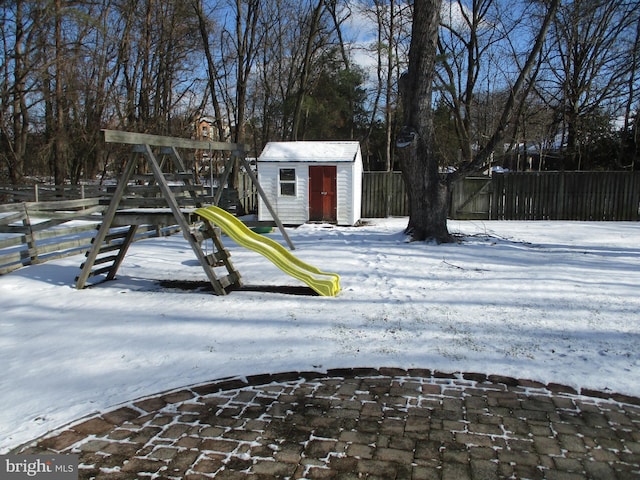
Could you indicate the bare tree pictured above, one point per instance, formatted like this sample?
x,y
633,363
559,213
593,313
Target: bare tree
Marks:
x,y
313,31
427,193
298,36
630,126
19,26
205,25
59,159
387,19
471,72
586,70
427,189
157,42
392,20
272,83
94,77
246,44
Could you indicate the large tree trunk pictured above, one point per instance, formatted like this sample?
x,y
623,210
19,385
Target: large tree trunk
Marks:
x,y
60,145
428,192
428,196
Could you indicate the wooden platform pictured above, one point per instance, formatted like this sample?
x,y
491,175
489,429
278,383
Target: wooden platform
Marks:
x,y
164,216
161,216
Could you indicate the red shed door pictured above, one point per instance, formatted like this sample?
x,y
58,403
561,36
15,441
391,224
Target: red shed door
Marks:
x,y
322,194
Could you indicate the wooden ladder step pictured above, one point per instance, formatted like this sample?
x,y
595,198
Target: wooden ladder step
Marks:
x,y
217,259
232,278
100,271
115,236
110,248
101,260
198,236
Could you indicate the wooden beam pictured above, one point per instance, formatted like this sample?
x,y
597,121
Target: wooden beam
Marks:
x,y
262,193
126,243
182,222
107,218
140,217
131,138
228,165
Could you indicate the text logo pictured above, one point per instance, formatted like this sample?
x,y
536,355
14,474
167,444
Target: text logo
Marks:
x,y
50,467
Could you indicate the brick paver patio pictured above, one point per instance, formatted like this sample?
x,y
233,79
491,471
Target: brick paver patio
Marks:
x,y
361,423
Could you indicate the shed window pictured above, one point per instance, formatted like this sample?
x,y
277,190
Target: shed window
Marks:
x,y
288,182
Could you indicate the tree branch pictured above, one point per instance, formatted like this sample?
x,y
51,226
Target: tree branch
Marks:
x,y
515,92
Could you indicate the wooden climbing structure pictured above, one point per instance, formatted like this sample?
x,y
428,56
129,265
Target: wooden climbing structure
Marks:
x,y
178,194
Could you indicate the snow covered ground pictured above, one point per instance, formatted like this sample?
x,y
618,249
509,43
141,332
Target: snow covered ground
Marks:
x,y
550,301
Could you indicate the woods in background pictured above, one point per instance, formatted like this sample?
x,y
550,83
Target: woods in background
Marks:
x,y
315,70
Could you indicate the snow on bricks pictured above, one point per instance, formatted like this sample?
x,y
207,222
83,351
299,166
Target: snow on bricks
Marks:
x,y
386,423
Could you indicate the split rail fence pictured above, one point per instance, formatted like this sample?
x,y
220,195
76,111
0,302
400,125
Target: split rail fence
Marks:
x,y
32,233
35,232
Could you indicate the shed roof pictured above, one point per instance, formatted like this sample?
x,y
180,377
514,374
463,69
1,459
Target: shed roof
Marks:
x,y
310,152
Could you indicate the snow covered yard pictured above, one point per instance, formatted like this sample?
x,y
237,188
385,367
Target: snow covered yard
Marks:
x,y
550,301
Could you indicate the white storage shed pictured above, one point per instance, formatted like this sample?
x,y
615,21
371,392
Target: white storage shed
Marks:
x,y
311,182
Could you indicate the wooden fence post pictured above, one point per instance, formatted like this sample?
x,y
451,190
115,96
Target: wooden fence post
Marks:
x,y
32,248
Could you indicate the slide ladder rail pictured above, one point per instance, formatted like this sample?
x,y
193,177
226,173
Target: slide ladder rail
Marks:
x,y
324,283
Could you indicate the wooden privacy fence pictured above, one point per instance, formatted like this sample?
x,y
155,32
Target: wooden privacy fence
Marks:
x,y
595,196
383,195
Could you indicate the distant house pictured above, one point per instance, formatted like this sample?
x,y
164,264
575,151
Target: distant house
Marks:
x,y
311,182
205,129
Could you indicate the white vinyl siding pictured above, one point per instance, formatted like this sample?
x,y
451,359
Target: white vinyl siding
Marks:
x,y
293,209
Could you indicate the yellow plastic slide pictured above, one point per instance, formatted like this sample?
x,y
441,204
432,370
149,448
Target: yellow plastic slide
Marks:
x,y
326,284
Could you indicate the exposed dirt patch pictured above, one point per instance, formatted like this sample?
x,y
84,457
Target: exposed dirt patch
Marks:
x,y
202,286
